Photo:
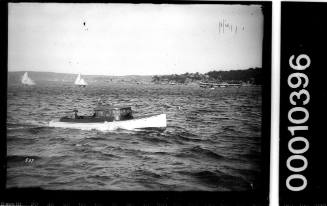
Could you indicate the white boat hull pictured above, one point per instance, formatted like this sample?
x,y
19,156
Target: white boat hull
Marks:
x,y
157,121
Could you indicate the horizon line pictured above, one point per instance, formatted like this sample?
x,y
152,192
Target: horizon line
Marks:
x,y
137,74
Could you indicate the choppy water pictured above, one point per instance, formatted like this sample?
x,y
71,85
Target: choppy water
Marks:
x,y
212,141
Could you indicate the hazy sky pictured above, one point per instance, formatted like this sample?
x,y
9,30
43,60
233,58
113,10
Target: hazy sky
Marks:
x,y
125,39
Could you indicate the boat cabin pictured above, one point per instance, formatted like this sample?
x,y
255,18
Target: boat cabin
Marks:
x,y
101,114
113,113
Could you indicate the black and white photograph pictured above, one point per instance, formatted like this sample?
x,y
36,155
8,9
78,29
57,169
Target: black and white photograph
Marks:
x,y
137,97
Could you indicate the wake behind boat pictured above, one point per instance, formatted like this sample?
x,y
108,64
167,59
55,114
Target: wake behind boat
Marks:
x,y
110,118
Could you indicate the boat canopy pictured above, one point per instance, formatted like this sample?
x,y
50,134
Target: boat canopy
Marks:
x,y
110,108
113,112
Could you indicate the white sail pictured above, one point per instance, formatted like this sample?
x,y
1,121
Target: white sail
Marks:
x,y
83,82
80,81
26,80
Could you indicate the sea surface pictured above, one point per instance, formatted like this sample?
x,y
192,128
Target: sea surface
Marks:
x,y
212,141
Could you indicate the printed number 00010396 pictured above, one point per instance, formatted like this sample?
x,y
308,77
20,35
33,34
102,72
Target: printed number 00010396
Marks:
x,y
298,99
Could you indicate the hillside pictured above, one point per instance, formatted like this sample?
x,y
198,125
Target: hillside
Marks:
x,y
44,77
252,75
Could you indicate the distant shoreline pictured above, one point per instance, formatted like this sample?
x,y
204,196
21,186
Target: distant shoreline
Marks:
x,y
60,73
252,76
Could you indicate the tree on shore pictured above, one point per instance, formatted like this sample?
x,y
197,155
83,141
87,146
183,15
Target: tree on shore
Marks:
x,y
252,75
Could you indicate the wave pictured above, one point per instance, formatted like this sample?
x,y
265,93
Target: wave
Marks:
x,y
198,151
109,155
138,151
20,127
218,179
209,176
99,177
36,123
117,130
97,138
155,140
180,135
146,174
186,137
21,158
205,110
27,125
16,127
90,152
11,139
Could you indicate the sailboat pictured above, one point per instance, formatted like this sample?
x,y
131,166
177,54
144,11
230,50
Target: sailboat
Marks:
x,y
80,81
26,80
